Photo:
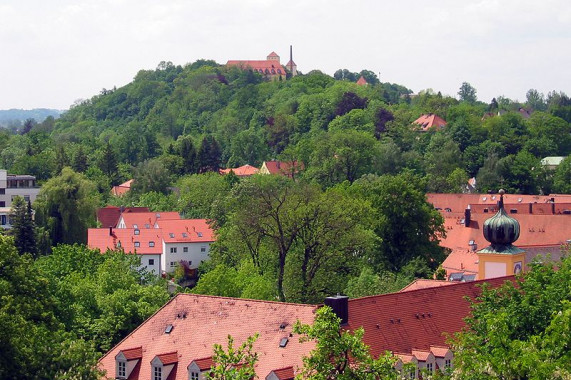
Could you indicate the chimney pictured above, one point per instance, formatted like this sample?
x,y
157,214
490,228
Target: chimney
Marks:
x,y
340,306
467,216
110,231
553,208
530,208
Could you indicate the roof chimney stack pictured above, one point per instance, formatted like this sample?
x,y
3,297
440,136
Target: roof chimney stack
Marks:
x,y
340,306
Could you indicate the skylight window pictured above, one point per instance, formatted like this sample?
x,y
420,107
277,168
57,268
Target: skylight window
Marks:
x,y
171,235
184,234
199,234
137,232
168,329
283,342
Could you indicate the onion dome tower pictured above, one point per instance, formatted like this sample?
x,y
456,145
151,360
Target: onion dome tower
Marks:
x,y
501,257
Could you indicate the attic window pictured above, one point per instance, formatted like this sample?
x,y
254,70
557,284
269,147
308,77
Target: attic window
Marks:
x,y
135,226
168,329
147,225
171,235
471,242
158,215
184,234
448,209
151,244
199,234
283,342
513,210
485,210
121,369
137,244
119,244
137,232
484,198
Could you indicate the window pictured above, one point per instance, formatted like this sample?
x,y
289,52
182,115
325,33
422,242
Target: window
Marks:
x,y
412,373
184,235
137,244
119,244
2,203
26,198
199,234
447,363
151,244
135,226
173,249
194,375
173,264
157,373
203,249
151,261
3,220
429,367
171,235
2,191
121,369
137,232
185,249
147,225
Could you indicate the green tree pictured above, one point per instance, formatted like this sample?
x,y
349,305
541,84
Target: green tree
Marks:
x,y
208,157
66,207
34,343
79,163
562,177
340,354
150,176
406,224
467,93
234,363
23,227
520,330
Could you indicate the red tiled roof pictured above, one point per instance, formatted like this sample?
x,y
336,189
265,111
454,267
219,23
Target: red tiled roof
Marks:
x,y
210,320
144,219
170,358
186,230
125,238
264,67
133,353
286,373
242,171
405,358
422,283
362,81
414,320
421,355
430,120
439,351
204,364
283,167
122,188
109,216
273,54
461,261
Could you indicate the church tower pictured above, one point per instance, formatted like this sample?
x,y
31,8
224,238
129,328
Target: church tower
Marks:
x,y
291,66
501,257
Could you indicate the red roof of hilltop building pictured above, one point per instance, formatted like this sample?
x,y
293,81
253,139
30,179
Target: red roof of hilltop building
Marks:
x,y
285,168
269,68
184,330
242,171
143,242
109,216
429,121
121,189
186,231
362,81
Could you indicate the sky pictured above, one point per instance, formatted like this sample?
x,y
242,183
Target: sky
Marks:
x,y
58,52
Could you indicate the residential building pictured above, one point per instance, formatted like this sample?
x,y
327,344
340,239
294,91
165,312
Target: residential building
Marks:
x,y
270,68
176,343
545,225
11,186
108,216
362,81
551,163
288,169
122,189
430,121
242,171
162,240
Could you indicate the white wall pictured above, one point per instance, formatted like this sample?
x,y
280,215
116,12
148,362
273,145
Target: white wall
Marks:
x,y
194,255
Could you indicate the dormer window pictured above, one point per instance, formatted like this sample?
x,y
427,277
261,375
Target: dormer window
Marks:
x,y
171,235
162,365
126,361
194,375
184,235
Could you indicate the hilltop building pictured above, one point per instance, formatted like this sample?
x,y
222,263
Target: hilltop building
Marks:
x,y
270,68
362,81
11,186
242,171
289,169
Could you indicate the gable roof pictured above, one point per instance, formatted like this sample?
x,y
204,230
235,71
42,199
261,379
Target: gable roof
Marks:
x,y
422,283
204,364
264,67
186,231
200,321
143,220
121,189
286,373
133,353
169,358
125,238
414,320
285,168
242,171
108,216
430,120
362,81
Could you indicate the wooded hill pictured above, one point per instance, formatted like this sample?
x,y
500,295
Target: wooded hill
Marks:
x,y
338,129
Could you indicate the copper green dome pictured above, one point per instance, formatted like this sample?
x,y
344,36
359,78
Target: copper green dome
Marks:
x,y
501,230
